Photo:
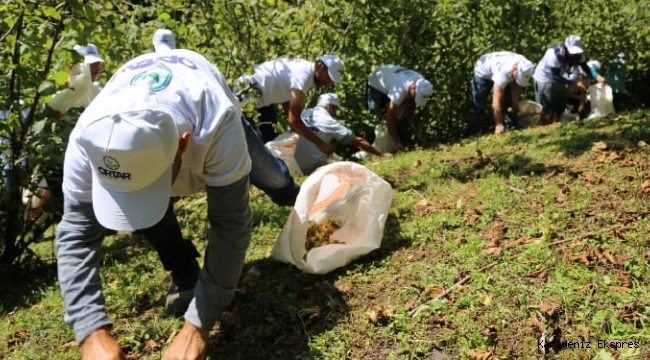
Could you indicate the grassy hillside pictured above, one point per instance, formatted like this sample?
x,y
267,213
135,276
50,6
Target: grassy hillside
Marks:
x,y
490,247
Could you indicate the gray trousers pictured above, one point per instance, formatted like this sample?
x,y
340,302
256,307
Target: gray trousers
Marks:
x,y
79,238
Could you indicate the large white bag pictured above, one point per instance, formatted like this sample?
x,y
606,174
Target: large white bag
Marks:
x,y
602,100
284,147
345,192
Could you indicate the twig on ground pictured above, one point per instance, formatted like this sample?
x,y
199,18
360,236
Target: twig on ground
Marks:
x,y
421,196
516,190
419,309
579,237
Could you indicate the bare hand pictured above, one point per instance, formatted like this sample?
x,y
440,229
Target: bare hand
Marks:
x,y
499,129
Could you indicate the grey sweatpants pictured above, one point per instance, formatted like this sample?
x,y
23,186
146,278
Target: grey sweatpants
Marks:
x,y
79,238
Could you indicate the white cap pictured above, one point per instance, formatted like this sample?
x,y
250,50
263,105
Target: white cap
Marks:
x,y
574,50
329,99
573,44
525,70
89,52
163,40
334,67
573,40
423,89
594,64
131,152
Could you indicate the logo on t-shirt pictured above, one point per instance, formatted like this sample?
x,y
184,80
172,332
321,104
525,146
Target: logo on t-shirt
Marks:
x,y
158,76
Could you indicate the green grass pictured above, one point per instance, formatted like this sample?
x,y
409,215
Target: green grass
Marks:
x,y
542,234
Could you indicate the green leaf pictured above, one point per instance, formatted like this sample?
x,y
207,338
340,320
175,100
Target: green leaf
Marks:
x,y
51,12
38,127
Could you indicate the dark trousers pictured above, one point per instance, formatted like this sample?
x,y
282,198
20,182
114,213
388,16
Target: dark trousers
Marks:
x,y
481,89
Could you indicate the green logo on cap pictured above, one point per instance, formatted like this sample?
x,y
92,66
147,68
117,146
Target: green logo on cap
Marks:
x,y
159,76
111,163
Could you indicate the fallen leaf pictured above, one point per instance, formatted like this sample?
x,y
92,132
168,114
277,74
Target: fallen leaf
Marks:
x,y
641,143
436,320
423,203
547,309
534,327
613,156
152,344
409,304
560,196
496,251
601,125
490,332
480,355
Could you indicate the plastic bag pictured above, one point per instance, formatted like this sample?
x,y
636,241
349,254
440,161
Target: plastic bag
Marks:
x,y
345,193
529,113
80,93
602,100
284,147
383,141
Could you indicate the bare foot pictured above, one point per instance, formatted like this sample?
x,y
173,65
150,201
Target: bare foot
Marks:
x,y
190,344
101,345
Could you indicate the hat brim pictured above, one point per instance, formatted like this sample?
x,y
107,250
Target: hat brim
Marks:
x,y
335,77
522,80
91,59
132,210
421,101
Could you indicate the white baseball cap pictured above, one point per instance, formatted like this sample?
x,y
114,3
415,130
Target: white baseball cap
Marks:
x,y
423,89
574,50
525,70
573,40
329,99
89,52
334,67
163,40
594,64
131,152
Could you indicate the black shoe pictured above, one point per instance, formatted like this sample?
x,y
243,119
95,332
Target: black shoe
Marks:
x,y
181,291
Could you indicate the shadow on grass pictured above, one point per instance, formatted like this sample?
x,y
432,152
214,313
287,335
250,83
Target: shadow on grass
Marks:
x,y
503,164
283,308
22,284
618,131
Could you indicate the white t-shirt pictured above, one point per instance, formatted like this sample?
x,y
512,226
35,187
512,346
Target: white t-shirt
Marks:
x,y
393,81
543,69
195,93
497,66
321,123
276,78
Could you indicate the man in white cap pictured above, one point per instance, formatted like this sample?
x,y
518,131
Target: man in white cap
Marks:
x,y
286,81
553,74
505,74
82,82
177,254
165,125
392,91
321,120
